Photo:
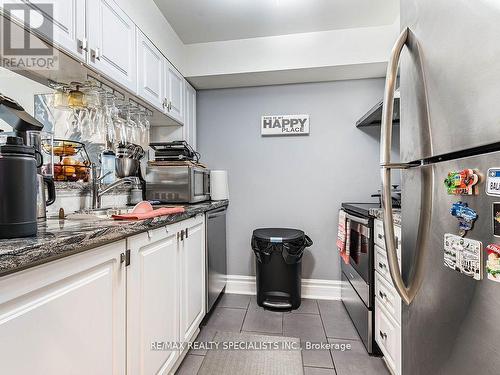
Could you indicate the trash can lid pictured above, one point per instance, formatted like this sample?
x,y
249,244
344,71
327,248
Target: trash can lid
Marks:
x,y
278,234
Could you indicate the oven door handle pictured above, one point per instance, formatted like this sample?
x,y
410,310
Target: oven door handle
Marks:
x,y
357,219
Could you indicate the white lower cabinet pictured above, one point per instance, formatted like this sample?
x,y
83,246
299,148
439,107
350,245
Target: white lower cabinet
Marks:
x,y
388,296
152,300
103,310
165,293
65,317
192,275
388,337
388,304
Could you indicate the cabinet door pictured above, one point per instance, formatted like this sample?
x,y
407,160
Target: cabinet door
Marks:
x,y
111,35
150,70
67,19
65,317
152,301
175,87
190,116
192,260
388,337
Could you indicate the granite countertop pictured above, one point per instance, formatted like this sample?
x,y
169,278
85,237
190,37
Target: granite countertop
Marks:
x,y
378,212
60,238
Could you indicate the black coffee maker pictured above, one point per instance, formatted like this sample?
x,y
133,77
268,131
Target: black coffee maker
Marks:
x,y
18,173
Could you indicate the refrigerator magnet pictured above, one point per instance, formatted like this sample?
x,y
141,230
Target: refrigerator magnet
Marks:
x,y
461,182
493,182
493,262
496,219
463,255
466,216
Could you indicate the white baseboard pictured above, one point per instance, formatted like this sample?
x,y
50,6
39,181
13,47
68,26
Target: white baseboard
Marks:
x,y
311,288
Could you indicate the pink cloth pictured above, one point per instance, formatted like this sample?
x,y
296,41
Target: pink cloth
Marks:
x,y
343,236
164,211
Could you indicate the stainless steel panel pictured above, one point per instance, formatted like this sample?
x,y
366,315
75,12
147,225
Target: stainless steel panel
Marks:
x,y
360,315
216,254
361,286
451,326
449,76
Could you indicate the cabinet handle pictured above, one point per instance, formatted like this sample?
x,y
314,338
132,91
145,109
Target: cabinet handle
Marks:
x,y
383,335
182,235
381,265
169,105
187,233
382,294
380,236
95,54
82,44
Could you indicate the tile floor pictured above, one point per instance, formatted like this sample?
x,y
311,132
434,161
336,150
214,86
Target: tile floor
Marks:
x,y
315,321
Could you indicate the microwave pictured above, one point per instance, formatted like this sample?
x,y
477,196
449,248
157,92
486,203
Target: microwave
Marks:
x,y
177,184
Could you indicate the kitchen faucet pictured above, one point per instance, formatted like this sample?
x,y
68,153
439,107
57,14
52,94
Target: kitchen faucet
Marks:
x,y
98,191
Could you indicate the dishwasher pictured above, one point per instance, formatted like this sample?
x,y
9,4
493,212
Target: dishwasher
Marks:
x,y
216,254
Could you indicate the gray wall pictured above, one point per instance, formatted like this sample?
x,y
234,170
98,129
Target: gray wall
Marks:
x,y
296,182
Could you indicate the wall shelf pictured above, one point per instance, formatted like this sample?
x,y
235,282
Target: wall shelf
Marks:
x,y
374,116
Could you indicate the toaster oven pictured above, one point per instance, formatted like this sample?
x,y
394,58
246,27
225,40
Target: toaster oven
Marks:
x,y
177,184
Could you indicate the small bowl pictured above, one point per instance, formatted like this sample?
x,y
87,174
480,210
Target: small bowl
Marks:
x,y
126,167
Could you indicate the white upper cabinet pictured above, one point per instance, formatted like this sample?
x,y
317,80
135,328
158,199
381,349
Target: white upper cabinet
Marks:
x,y
190,116
112,41
152,301
174,93
66,24
150,72
100,34
192,272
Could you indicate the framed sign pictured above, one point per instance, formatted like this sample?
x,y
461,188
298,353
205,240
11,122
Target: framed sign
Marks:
x,y
285,125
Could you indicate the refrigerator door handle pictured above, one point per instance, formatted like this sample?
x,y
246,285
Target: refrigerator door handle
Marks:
x,y
407,293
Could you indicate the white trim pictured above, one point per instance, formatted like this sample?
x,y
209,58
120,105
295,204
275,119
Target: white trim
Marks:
x,y
236,284
311,288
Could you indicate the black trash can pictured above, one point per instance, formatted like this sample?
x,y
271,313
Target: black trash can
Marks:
x,y
278,257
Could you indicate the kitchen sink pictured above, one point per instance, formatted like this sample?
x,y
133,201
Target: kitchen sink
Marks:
x,y
98,213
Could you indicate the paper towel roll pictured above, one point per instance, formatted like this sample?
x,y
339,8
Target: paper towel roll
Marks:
x,y
219,187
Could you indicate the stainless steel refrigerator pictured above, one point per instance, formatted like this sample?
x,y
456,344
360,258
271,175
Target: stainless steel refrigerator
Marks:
x,y
449,54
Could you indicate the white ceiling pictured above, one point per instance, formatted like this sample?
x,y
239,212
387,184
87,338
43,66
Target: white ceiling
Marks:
x,y
198,21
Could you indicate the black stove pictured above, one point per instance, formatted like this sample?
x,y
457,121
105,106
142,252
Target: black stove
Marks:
x,y
360,208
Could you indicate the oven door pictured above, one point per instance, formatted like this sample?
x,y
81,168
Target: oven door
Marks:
x,y
360,245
